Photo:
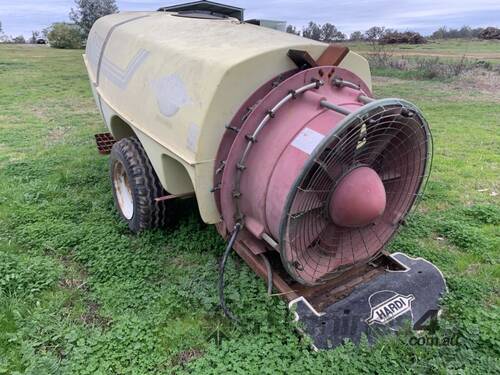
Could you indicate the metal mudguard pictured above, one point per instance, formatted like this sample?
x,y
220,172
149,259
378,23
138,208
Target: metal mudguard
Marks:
x,y
382,305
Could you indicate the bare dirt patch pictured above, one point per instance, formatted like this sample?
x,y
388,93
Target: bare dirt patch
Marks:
x,y
385,81
92,316
42,113
75,277
57,135
75,280
472,85
475,55
54,108
481,81
186,356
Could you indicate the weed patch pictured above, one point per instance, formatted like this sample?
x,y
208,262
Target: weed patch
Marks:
x,y
26,276
80,295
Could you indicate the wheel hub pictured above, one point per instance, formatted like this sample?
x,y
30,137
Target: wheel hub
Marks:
x,y
123,190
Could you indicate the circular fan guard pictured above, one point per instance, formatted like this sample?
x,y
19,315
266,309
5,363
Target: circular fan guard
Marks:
x,y
388,136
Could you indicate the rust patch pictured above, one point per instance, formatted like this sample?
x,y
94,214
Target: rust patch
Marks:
x,y
333,55
302,59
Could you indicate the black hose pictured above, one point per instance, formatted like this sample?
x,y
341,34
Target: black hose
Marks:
x,y
229,247
269,274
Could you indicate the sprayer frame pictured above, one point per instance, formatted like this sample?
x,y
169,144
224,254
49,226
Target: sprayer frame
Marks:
x,y
251,248
254,250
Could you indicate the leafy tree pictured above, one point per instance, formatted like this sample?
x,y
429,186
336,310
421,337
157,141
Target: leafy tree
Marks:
x,y
292,30
89,11
3,38
19,40
65,35
477,32
325,33
357,35
374,33
439,33
464,32
312,31
330,33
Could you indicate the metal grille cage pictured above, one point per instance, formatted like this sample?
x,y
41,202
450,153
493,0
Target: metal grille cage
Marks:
x,y
104,142
391,137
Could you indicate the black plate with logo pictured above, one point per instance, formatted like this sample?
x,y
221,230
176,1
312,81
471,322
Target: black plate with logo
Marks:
x,y
381,305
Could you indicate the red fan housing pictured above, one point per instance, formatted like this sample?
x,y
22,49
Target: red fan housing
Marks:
x,y
315,168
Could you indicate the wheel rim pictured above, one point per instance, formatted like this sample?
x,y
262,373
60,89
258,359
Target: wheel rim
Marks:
x,y
122,190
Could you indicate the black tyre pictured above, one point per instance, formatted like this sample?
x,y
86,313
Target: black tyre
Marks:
x,y
135,187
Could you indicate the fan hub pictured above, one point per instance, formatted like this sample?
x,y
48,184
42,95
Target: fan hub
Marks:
x,y
358,199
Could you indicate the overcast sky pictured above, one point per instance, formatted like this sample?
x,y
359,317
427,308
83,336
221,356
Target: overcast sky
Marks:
x,y
22,16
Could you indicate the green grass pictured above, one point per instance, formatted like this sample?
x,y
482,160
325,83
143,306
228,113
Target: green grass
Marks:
x,y
448,50
80,295
445,46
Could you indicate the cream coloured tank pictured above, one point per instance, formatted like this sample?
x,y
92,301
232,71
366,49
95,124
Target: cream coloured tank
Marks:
x,y
175,82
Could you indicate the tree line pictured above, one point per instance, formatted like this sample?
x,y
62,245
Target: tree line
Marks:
x,y
330,33
69,35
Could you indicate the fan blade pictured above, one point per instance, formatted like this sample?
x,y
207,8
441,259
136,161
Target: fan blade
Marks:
x,y
317,266
389,175
304,202
307,227
331,171
376,149
320,258
380,134
348,148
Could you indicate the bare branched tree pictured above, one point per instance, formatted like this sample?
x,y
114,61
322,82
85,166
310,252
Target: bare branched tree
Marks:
x,y
19,40
35,35
89,11
292,30
373,34
312,31
356,35
330,33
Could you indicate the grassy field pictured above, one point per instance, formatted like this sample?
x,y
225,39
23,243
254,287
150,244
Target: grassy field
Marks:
x,y
80,295
487,50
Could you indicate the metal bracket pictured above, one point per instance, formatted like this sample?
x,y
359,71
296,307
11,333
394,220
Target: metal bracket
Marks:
x,y
229,127
216,188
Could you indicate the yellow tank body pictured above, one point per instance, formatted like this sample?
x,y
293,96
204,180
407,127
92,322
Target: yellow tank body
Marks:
x,y
175,82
